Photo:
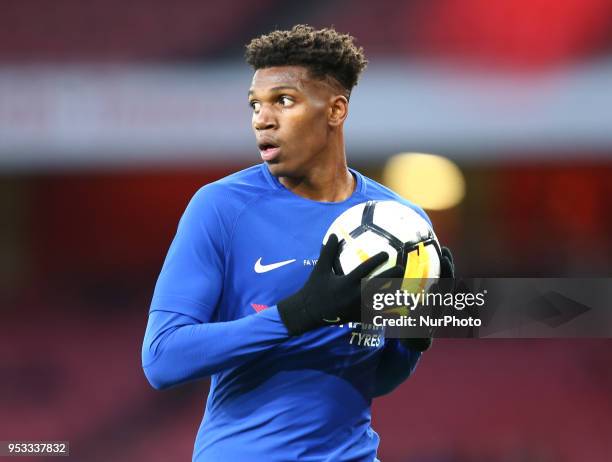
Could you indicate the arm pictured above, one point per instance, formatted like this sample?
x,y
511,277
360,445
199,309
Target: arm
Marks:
x,y
178,348
397,362
183,343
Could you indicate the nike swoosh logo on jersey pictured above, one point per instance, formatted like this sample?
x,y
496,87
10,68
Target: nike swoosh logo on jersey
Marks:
x,y
259,268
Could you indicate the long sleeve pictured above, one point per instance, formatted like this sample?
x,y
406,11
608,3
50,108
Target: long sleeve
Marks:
x,y
396,364
178,348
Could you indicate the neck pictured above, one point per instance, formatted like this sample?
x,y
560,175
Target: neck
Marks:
x,y
327,180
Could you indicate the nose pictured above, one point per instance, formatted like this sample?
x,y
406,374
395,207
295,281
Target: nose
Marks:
x,y
264,119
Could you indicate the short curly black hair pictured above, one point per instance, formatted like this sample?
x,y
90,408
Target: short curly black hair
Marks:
x,y
324,52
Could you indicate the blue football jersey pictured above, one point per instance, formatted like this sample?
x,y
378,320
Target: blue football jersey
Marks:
x,y
244,243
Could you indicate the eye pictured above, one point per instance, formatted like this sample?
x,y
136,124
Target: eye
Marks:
x,y
254,105
285,101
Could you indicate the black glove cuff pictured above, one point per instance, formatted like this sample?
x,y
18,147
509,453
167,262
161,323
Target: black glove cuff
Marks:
x,y
292,311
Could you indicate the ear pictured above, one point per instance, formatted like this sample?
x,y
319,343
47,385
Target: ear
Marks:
x,y
338,110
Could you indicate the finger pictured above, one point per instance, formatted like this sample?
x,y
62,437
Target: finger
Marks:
x,y
392,273
368,266
446,282
447,269
445,251
382,280
328,252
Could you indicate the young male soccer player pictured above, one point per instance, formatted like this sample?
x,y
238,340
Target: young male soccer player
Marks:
x,y
244,295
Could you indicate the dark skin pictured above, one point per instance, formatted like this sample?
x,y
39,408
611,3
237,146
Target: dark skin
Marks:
x,y
303,117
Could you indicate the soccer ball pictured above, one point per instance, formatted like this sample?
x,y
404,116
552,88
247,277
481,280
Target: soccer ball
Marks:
x,y
386,226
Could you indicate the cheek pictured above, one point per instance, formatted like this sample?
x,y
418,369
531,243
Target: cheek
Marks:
x,y
310,128
319,133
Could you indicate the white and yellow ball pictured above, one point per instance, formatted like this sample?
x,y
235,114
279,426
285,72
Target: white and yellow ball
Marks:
x,y
387,226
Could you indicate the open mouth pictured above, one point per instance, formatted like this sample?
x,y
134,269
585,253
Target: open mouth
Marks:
x,y
268,150
263,145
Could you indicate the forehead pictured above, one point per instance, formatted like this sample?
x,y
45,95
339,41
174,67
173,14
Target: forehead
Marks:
x,y
283,76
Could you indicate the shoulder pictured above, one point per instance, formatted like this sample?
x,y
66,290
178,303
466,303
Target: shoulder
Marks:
x,y
376,191
223,200
233,191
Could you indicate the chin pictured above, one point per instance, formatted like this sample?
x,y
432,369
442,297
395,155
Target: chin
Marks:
x,y
279,169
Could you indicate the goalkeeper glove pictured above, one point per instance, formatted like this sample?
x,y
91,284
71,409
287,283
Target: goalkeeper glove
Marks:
x,y
327,298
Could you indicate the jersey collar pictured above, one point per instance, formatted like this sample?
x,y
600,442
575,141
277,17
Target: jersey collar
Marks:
x,y
273,181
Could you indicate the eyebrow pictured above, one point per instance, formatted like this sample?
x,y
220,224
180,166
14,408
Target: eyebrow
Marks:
x,y
281,87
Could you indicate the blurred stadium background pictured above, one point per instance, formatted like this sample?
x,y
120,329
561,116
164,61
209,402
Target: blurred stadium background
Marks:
x,y
113,113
